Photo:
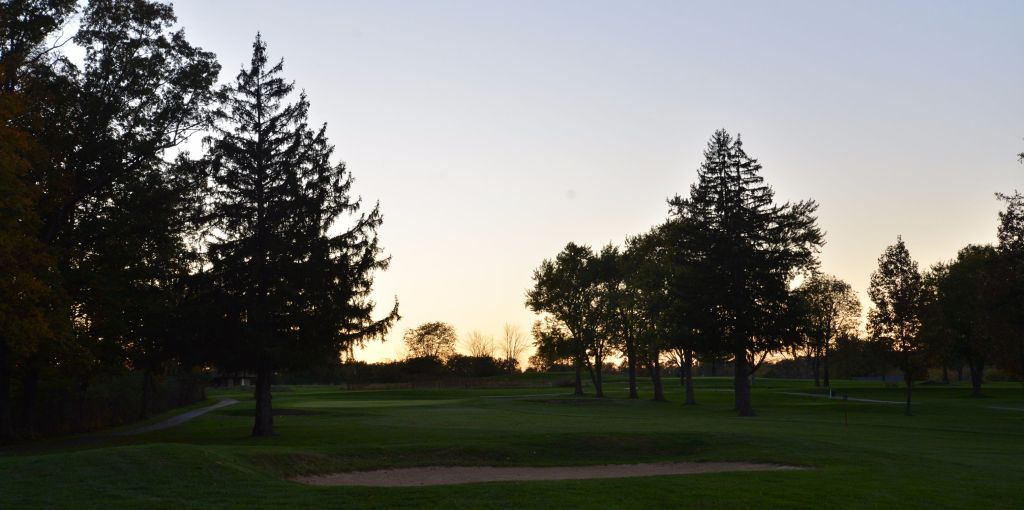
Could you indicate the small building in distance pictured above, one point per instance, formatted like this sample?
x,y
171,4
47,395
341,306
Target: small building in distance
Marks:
x,y
233,379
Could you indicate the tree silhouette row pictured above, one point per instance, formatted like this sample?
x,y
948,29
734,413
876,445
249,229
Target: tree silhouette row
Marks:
x,y
732,275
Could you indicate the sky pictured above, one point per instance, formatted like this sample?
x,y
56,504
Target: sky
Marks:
x,y
494,132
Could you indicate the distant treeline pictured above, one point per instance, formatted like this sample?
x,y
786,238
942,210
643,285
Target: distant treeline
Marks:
x,y
456,370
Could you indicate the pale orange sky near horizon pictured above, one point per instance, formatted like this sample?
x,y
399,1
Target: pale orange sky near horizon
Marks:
x,y
494,132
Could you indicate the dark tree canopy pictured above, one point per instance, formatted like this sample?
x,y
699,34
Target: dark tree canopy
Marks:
x,y
620,310
1007,317
565,288
659,296
748,249
98,131
897,292
553,344
431,340
831,310
963,295
295,277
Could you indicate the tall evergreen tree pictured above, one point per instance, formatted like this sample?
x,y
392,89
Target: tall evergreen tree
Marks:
x,y
897,291
1006,319
1008,289
294,280
748,249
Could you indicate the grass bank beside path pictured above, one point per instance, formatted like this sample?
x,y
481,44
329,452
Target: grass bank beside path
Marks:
x,y
101,436
955,452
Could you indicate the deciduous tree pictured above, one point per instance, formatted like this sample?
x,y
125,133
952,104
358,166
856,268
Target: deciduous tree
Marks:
x,y
831,310
565,288
963,297
897,292
513,346
553,344
141,89
479,345
431,340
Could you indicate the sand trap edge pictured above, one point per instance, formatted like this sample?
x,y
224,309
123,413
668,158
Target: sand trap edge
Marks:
x,y
454,475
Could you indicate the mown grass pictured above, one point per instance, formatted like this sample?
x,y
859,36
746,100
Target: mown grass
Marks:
x,y
955,452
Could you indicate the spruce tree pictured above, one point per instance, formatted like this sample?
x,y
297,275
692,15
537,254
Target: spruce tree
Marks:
x,y
1008,317
747,249
292,281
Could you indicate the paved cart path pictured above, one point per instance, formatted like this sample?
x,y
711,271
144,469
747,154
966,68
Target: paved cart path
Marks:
x,y
177,419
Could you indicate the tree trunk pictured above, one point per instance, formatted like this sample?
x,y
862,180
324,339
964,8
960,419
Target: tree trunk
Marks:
x,y
148,385
945,374
190,389
6,423
910,389
688,376
578,383
264,425
578,366
815,361
659,390
741,384
29,393
83,390
824,366
631,369
590,371
977,373
1020,350
960,373
598,386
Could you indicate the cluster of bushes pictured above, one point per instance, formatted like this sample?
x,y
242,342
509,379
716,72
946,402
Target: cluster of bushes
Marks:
x,y
425,370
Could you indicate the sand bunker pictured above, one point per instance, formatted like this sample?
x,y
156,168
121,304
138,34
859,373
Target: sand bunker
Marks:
x,y
449,475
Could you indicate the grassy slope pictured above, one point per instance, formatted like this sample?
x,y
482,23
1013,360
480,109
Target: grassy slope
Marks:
x,y
955,452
